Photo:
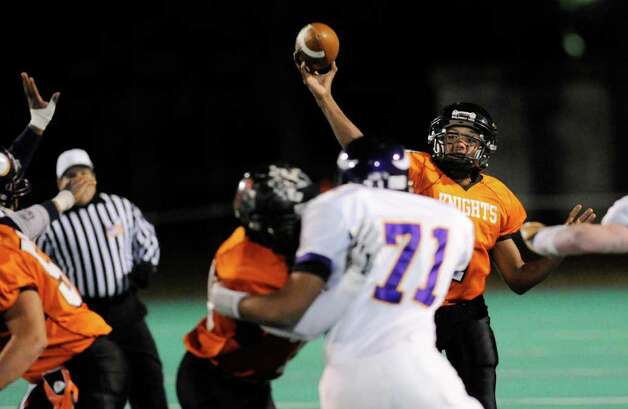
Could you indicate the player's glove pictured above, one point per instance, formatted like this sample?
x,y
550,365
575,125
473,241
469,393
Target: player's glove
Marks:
x,y
528,232
365,245
41,117
59,389
225,301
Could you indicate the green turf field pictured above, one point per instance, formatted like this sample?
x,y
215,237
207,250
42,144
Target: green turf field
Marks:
x,y
560,347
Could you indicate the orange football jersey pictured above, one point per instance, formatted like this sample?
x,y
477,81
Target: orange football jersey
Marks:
x,y
70,326
240,348
494,210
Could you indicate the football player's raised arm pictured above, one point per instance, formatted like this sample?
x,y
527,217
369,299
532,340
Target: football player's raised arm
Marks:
x,y
25,321
41,110
320,86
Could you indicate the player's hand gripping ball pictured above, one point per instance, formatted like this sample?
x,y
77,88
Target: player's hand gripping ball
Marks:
x,y
317,45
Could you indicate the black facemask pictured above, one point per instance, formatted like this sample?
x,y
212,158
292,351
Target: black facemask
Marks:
x,y
458,166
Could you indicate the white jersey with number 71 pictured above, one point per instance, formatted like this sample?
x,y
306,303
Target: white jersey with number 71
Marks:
x,y
426,241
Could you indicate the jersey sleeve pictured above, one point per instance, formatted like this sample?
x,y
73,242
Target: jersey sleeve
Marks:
x,y
617,213
33,220
513,214
145,243
417,169
24,146
324,313
324,239
251,268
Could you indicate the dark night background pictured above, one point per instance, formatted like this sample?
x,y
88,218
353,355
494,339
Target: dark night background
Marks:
x,y
175,100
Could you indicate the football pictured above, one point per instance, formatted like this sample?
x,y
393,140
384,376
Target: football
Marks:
x,y
317,45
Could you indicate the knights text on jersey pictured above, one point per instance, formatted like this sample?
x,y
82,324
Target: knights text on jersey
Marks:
x,y
70,326
240,348
492,207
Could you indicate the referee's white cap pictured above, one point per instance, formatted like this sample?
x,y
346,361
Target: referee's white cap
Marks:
x,y
72,157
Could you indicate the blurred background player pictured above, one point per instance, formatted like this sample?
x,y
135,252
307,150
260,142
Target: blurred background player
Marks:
x,y
108,249
47,334
609,237
228,363
463,137
380,352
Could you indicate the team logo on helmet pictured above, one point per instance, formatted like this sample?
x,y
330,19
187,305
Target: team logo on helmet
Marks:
x,y
268,203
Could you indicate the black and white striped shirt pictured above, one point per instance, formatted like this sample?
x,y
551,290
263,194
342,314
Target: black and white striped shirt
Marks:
x,y
97,245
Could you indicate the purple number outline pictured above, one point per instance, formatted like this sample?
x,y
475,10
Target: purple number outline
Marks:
x,y
426,295
389,291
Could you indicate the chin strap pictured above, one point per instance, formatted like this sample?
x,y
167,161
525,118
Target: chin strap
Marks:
x,y
458,168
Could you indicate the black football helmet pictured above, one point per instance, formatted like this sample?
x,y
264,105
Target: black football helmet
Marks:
x,y
472,116
375,164
268,203
13,184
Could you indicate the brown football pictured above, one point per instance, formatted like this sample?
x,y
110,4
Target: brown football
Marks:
x,y
317,45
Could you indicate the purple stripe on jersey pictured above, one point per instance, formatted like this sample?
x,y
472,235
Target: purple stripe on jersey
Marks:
x,y
314,258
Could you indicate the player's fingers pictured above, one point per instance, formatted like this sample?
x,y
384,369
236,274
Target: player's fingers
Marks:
x,y
368,233
590,218
55,97
362,233
27,84
585,215
332,72
373,235
303,69
35,90
573,213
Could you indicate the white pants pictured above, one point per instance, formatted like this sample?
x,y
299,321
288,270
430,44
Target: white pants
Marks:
x,y
408,376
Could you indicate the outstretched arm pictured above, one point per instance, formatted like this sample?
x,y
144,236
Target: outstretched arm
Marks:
x,y
25,321
282,308
581,239
521,276
320,87
33,220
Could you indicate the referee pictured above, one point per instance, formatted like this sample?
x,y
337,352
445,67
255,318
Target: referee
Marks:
x,y
108,249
